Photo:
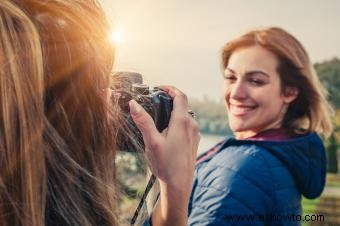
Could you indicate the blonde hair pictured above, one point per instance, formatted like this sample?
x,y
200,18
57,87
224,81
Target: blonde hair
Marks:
x,y
56,140
21,119
310,111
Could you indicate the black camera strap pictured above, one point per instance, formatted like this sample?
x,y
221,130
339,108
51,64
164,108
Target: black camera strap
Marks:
x,y
141,202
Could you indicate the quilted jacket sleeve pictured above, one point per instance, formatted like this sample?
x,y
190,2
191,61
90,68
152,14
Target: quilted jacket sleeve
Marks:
x,y
235,187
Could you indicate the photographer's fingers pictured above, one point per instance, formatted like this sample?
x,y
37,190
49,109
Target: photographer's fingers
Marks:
x,y
180,100
180,111
186,123
144,123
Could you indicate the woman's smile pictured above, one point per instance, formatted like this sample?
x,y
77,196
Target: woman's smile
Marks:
x,y
240,110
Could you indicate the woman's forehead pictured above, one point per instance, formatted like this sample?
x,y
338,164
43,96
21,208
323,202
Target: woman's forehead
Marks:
x,y
252,58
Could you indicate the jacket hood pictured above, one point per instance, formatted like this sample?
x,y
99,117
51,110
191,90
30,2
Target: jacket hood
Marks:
x,y
305,158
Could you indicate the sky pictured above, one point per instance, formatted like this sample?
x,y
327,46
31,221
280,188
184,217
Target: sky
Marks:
x,y
179,42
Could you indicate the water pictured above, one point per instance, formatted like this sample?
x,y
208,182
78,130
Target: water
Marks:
x,y
208,141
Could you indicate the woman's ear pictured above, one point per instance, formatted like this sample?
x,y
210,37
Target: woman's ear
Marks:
x,y
290,94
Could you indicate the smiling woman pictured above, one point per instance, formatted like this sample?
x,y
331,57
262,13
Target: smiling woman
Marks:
x,y
275,105
249,80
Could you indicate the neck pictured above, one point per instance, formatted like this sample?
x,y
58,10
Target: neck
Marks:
x,y
241,135
244,135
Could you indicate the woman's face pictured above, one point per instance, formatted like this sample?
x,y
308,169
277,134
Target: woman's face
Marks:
x,y
252,92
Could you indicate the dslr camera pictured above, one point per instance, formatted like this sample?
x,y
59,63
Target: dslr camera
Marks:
x,y
127,86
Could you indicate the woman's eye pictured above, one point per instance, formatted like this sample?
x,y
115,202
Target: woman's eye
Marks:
x,y
230,78
256,82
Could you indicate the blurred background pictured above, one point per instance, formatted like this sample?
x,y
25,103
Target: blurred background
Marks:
x,y
179,43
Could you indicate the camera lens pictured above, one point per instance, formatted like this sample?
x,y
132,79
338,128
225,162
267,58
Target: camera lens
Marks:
x,y
141,89
124,80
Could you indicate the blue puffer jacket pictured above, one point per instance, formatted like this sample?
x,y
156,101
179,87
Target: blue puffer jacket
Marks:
x,y
257,182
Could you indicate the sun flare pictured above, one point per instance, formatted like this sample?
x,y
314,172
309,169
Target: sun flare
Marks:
x,y
116,36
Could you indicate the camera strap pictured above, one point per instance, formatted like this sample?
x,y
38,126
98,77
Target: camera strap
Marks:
x,y
142,201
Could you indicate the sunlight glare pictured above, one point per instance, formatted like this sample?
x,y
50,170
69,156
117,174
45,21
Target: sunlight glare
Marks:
x,y
116,36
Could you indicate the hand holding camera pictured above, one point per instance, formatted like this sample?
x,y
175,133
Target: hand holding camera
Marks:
x,y
160,121
128,86
171,155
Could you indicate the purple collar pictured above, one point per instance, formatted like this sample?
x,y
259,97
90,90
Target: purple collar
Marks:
x,y
279,134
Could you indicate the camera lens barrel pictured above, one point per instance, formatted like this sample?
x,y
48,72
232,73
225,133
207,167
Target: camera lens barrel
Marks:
x,y
141,89
158,104
124,80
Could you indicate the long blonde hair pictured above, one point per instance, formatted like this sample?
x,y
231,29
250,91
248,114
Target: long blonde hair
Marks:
x,y
310,111
56,140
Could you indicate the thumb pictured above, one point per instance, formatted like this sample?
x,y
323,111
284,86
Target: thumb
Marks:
x,y
144,122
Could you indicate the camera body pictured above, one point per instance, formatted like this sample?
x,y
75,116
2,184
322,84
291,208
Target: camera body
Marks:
x,y
127,86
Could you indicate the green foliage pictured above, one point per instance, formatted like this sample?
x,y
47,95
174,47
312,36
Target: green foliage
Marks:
x,y
332,144
329,74
332,147
308,208
131,171
211,116
333,180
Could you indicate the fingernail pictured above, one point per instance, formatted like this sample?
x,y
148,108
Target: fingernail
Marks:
x,y
135,108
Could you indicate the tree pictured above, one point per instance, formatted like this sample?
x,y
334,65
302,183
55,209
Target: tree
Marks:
x,y
329,74
211,116
332,147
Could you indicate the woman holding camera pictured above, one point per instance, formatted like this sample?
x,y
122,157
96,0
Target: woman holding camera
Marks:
x,y
57,126
276,107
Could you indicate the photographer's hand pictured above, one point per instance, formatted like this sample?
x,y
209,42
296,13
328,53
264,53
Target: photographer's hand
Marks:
x,y
172,155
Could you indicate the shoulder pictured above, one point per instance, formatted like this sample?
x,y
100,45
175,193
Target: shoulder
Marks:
x,y
247,163
236,172
235,180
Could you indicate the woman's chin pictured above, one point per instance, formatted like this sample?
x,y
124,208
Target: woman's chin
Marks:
x,y
237,126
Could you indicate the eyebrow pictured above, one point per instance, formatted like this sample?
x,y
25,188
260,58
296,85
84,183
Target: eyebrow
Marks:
x,y
248,73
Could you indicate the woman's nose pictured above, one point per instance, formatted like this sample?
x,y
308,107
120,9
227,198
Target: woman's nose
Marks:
x,y
238,91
